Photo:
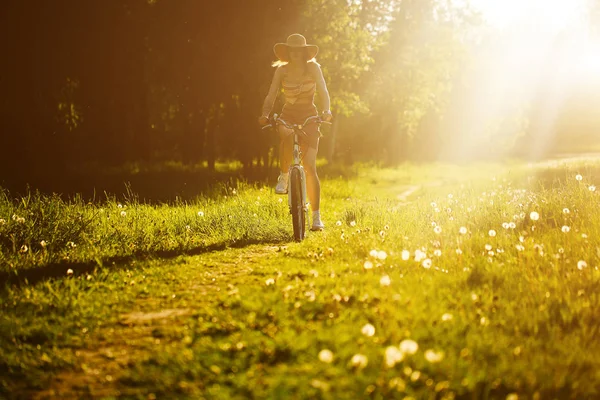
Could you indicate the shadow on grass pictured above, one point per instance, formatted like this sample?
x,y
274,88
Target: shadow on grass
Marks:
x,y
37,274
151,184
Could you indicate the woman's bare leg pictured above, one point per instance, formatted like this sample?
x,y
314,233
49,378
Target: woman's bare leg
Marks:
x,y
313,186
286,144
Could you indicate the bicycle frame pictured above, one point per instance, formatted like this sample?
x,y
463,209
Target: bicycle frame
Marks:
x,y
296,168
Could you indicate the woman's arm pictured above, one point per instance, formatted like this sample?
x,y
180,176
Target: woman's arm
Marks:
x,y
272,95
317,75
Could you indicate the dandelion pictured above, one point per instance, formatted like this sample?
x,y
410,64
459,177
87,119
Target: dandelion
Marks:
x,y
280,200
71,245
326,356
581,265
433,205
459,252
24,249
408,346
201,213
579,177
393,355
43,243
2,221
505,225
69,272
592,188
534,216
188,228
385,280
512,225
382,233
434,356
339,223
488,247
492,233
584,236
419,255
359,361
565,229
405,255
353,223
120,205
368,330
123,214
437,253
462,230
382,255
368,265
437,229
387,227
426,263
566,211
446,317
270,282
373,253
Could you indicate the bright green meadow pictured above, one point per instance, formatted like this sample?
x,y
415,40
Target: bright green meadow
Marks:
x,y
429,282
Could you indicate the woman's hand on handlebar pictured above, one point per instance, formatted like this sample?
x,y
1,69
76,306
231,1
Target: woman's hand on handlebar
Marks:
x,y
326,116
262,120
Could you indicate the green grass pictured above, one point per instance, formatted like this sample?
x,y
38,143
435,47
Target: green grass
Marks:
x,y
164,302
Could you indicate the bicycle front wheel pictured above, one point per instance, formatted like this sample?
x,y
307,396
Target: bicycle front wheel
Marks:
x,y
297,204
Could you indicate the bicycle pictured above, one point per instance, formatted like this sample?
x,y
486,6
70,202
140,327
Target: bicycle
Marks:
x,y
297,199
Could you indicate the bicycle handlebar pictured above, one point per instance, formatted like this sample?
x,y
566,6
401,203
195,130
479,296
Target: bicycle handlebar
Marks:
x,y
276,120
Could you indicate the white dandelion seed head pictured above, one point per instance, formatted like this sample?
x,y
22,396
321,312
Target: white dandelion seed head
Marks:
x,y
584,236
385,280
579,177
505,225
120,205
405,255
381,255
459,251
408,346
437,229
201,213
565,229
43,243
437,253
2,221
512,225
270,282
339,223
446,317
488,247
373,253
368,330
368,265
492,233
426,263
24,249
359,361
123,214
592,188
434,356
566,210
534,216
581,265
393,355
69,272
352,223
462,230
419,255
433,204
326,356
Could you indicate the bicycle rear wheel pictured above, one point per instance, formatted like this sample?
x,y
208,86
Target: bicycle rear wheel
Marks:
x,y
297,204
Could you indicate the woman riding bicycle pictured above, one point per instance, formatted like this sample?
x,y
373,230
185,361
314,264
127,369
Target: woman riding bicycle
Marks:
x,y
300,76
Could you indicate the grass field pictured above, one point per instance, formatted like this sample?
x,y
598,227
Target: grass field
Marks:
x,y
429,282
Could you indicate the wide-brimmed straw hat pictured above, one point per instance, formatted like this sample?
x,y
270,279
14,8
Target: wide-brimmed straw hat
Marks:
x,y
295,41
